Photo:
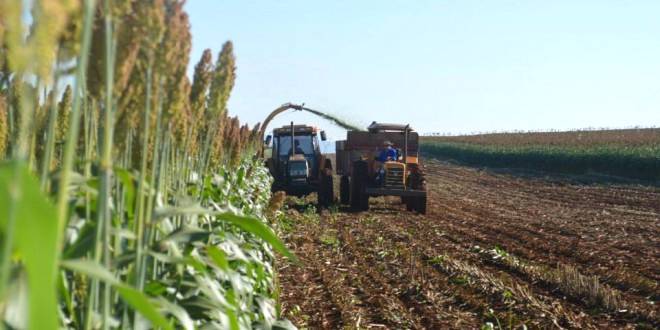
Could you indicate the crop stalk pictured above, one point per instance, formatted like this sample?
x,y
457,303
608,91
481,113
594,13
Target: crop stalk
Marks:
x,y
50,137
152,185
72,136
139,210
105,164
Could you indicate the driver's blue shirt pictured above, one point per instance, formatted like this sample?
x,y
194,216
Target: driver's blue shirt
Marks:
x,y
387,154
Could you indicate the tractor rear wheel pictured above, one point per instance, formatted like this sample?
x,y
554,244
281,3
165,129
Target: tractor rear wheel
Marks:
x,y
359,198
344,190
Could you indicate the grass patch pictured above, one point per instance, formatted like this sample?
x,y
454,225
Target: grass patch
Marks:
x,y
329,238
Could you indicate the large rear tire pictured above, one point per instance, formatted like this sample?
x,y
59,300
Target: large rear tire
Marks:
x,y
344,190
359,198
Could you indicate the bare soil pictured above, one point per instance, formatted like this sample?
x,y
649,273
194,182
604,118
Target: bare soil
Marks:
x,y
494,248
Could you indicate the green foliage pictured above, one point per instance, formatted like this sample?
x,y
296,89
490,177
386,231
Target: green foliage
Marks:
x,y
35,238
642,162
329,238
133,297
164,242
4,126
257,228
437,260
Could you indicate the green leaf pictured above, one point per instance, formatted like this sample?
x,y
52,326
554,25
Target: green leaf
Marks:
x,y
198,265
239,176
178,312
35,240
170,211
259,229
128,181
218,256
187,234
133,297
155,288
65,292
83,244
91,269
233,319
283,325
143,305
168,258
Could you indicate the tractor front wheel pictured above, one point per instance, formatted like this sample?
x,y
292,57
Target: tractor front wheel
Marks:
x,y
329,190
421,205
326,191
415,204
410,203
344,190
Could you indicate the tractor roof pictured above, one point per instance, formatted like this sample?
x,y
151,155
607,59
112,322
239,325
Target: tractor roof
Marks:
x,y
383,127
297,130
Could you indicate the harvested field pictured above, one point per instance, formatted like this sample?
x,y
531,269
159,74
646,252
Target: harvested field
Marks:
x,y
497,248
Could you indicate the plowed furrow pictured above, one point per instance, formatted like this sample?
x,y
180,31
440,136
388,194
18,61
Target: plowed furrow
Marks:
x,y
577,256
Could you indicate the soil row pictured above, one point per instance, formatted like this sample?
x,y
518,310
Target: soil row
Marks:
x,y
493,248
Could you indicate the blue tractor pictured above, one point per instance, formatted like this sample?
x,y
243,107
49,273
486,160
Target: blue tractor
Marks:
x,y
297,164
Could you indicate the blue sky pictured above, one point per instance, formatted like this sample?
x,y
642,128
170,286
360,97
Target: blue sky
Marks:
x,y
443,66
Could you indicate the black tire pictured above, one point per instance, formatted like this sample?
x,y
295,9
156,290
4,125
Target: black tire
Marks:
x,y
420,206
364,202
320,194
344,190
359,199
410,204
325,192
329,190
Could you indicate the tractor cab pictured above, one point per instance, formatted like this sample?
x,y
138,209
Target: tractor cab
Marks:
x,y
295,158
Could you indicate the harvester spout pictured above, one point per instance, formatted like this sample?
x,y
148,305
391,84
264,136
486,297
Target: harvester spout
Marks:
x,y
280,109
298,107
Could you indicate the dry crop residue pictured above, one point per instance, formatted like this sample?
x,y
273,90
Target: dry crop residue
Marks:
x,y
494,248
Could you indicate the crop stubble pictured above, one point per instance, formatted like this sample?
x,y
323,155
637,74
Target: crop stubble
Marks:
x,y
388,268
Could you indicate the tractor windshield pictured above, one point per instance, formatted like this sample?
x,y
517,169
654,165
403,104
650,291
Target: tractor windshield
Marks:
x,y
303,144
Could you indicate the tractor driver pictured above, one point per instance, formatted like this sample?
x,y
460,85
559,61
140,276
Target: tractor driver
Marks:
x,y
298,149
387,154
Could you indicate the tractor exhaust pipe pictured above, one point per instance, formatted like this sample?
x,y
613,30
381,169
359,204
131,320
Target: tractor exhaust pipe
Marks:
x,y
405,144
293,149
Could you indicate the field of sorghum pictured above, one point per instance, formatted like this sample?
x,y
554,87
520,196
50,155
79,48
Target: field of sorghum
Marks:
x,y
128,196
629,153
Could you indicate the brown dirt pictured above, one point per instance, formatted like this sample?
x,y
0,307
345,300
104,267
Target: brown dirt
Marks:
x,y
389,268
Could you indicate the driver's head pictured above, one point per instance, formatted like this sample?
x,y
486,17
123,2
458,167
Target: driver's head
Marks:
x,y
387,144
296,143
